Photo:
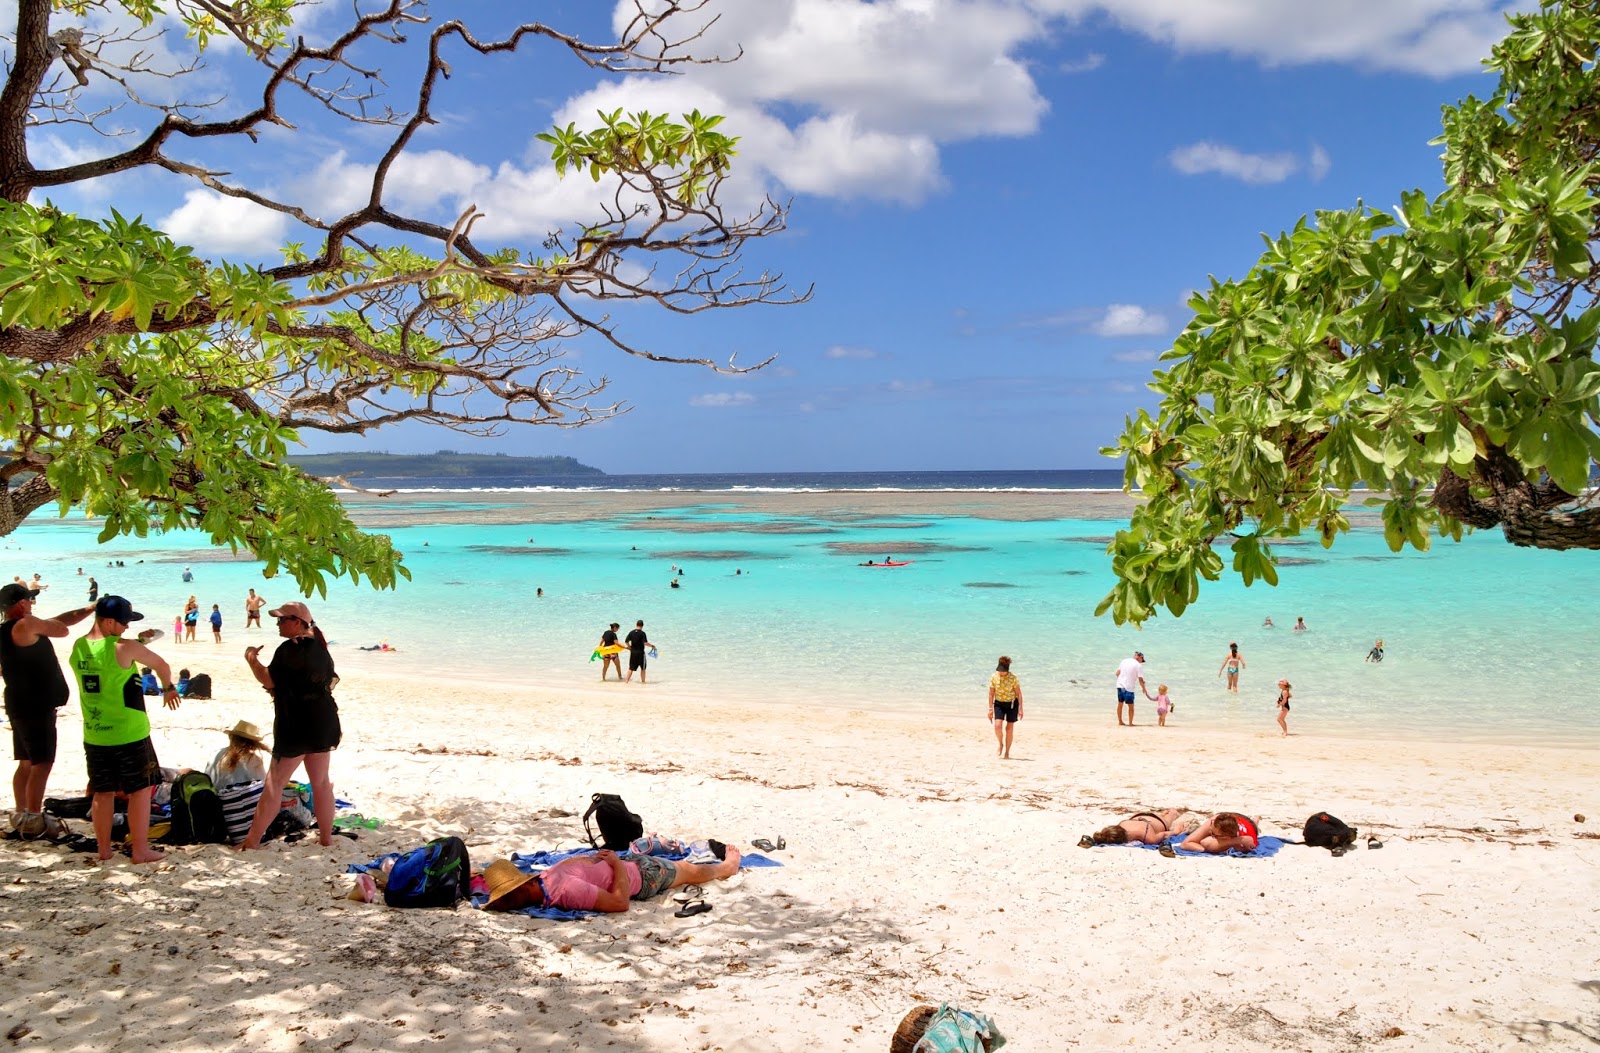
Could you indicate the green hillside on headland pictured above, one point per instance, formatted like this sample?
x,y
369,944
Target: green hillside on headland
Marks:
x,y
443,463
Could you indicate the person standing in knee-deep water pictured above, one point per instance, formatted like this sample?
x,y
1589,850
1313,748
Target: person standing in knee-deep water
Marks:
x,y
34,690
252,609
609,639
1005,705
1231,666
305,725
637,641
116,729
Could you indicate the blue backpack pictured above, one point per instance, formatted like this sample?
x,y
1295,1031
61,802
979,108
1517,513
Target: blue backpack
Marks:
x,y
438,874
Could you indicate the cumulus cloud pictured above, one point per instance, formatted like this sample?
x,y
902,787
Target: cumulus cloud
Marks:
x,y
723,399
214,223
1432,37
1134,356
1256,169
1088,64
1126,319
841,351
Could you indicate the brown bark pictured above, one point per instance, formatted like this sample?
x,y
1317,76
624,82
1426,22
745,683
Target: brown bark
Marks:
x,y
1533,515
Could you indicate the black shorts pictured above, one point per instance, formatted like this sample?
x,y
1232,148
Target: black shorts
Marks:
x,y
635,660
126,769
252,616
33,736
1006,711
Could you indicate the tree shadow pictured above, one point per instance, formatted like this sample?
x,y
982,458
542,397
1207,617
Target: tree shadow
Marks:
x,y
217,950
1534,1031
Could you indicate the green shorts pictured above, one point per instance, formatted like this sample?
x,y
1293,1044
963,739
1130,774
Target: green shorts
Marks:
x,y
656,875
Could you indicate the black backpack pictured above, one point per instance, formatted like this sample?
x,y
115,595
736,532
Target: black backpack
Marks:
x,y
439,874
618,826
199,686
196,812
1325,831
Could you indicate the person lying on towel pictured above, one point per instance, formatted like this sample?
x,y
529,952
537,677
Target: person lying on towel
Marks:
x,y
1222,832
605,881
1145,828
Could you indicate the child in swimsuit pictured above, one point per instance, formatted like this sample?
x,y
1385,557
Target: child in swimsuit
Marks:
x,y
1163,706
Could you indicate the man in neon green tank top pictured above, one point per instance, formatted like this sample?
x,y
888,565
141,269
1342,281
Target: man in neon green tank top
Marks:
x,y
116,730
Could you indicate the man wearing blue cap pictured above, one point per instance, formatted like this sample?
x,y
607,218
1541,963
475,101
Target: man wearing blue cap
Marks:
x,y
116,730
34,690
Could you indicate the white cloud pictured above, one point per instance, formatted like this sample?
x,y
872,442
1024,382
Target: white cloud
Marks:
x,y
1088,64
1433,37
1199,158
721,399
214,223
910,387
1121,387
1135,356
1318,163
841,351
1126,319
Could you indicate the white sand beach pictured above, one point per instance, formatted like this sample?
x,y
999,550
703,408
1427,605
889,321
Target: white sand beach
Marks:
x,y
919,869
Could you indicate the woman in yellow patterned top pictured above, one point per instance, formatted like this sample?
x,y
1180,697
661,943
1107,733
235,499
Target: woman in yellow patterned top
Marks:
x,y
1005,704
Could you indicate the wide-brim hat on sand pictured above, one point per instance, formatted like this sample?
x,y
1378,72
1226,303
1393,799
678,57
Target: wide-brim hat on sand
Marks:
x,y
503,878
247,731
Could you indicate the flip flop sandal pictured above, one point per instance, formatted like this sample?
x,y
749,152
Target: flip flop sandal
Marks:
x,y
1341,850
1373,842
690,894
1085,841
763,844
782,844
1167,850
689,910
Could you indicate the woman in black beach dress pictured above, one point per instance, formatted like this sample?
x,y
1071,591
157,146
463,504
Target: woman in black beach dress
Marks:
x,y
305,725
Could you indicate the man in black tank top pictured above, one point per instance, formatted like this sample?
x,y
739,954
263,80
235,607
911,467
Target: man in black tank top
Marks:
x,y
34,689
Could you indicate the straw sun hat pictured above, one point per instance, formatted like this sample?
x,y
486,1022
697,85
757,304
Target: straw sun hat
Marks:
x,y
503,879
249,732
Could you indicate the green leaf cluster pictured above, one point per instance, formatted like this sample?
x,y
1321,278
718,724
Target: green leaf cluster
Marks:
x,y
1375,351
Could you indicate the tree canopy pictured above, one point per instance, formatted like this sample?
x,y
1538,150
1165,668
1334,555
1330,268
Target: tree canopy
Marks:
x,y
161,390
1441,357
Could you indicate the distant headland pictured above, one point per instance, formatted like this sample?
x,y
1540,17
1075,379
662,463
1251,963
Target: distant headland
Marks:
x,y
444,463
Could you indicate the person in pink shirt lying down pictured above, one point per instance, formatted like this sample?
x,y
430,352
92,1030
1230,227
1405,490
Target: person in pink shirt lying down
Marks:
x,y
607,882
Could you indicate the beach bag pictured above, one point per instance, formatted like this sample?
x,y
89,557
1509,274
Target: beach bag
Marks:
x,y
618,826
239,808
1325,831
199,686
196,812
436,875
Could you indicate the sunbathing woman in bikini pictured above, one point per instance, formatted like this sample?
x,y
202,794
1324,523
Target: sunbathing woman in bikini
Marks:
x,y
1148,828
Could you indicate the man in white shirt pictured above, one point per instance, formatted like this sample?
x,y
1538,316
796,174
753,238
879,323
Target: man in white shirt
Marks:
x,y
1130,675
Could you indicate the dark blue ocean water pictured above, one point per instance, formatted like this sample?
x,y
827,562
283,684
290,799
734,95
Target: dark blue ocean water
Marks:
x,y
794,482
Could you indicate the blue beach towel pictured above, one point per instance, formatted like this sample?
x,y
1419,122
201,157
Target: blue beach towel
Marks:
x,y
1266,847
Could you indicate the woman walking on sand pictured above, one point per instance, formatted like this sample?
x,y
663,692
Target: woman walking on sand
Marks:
x,y
1005,705
305,725
1284,694
1231,666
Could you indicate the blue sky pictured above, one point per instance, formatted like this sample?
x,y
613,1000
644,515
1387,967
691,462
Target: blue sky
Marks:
x,y
1001,204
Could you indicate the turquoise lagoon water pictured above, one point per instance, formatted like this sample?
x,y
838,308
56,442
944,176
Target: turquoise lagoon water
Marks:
x,y
1484,641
